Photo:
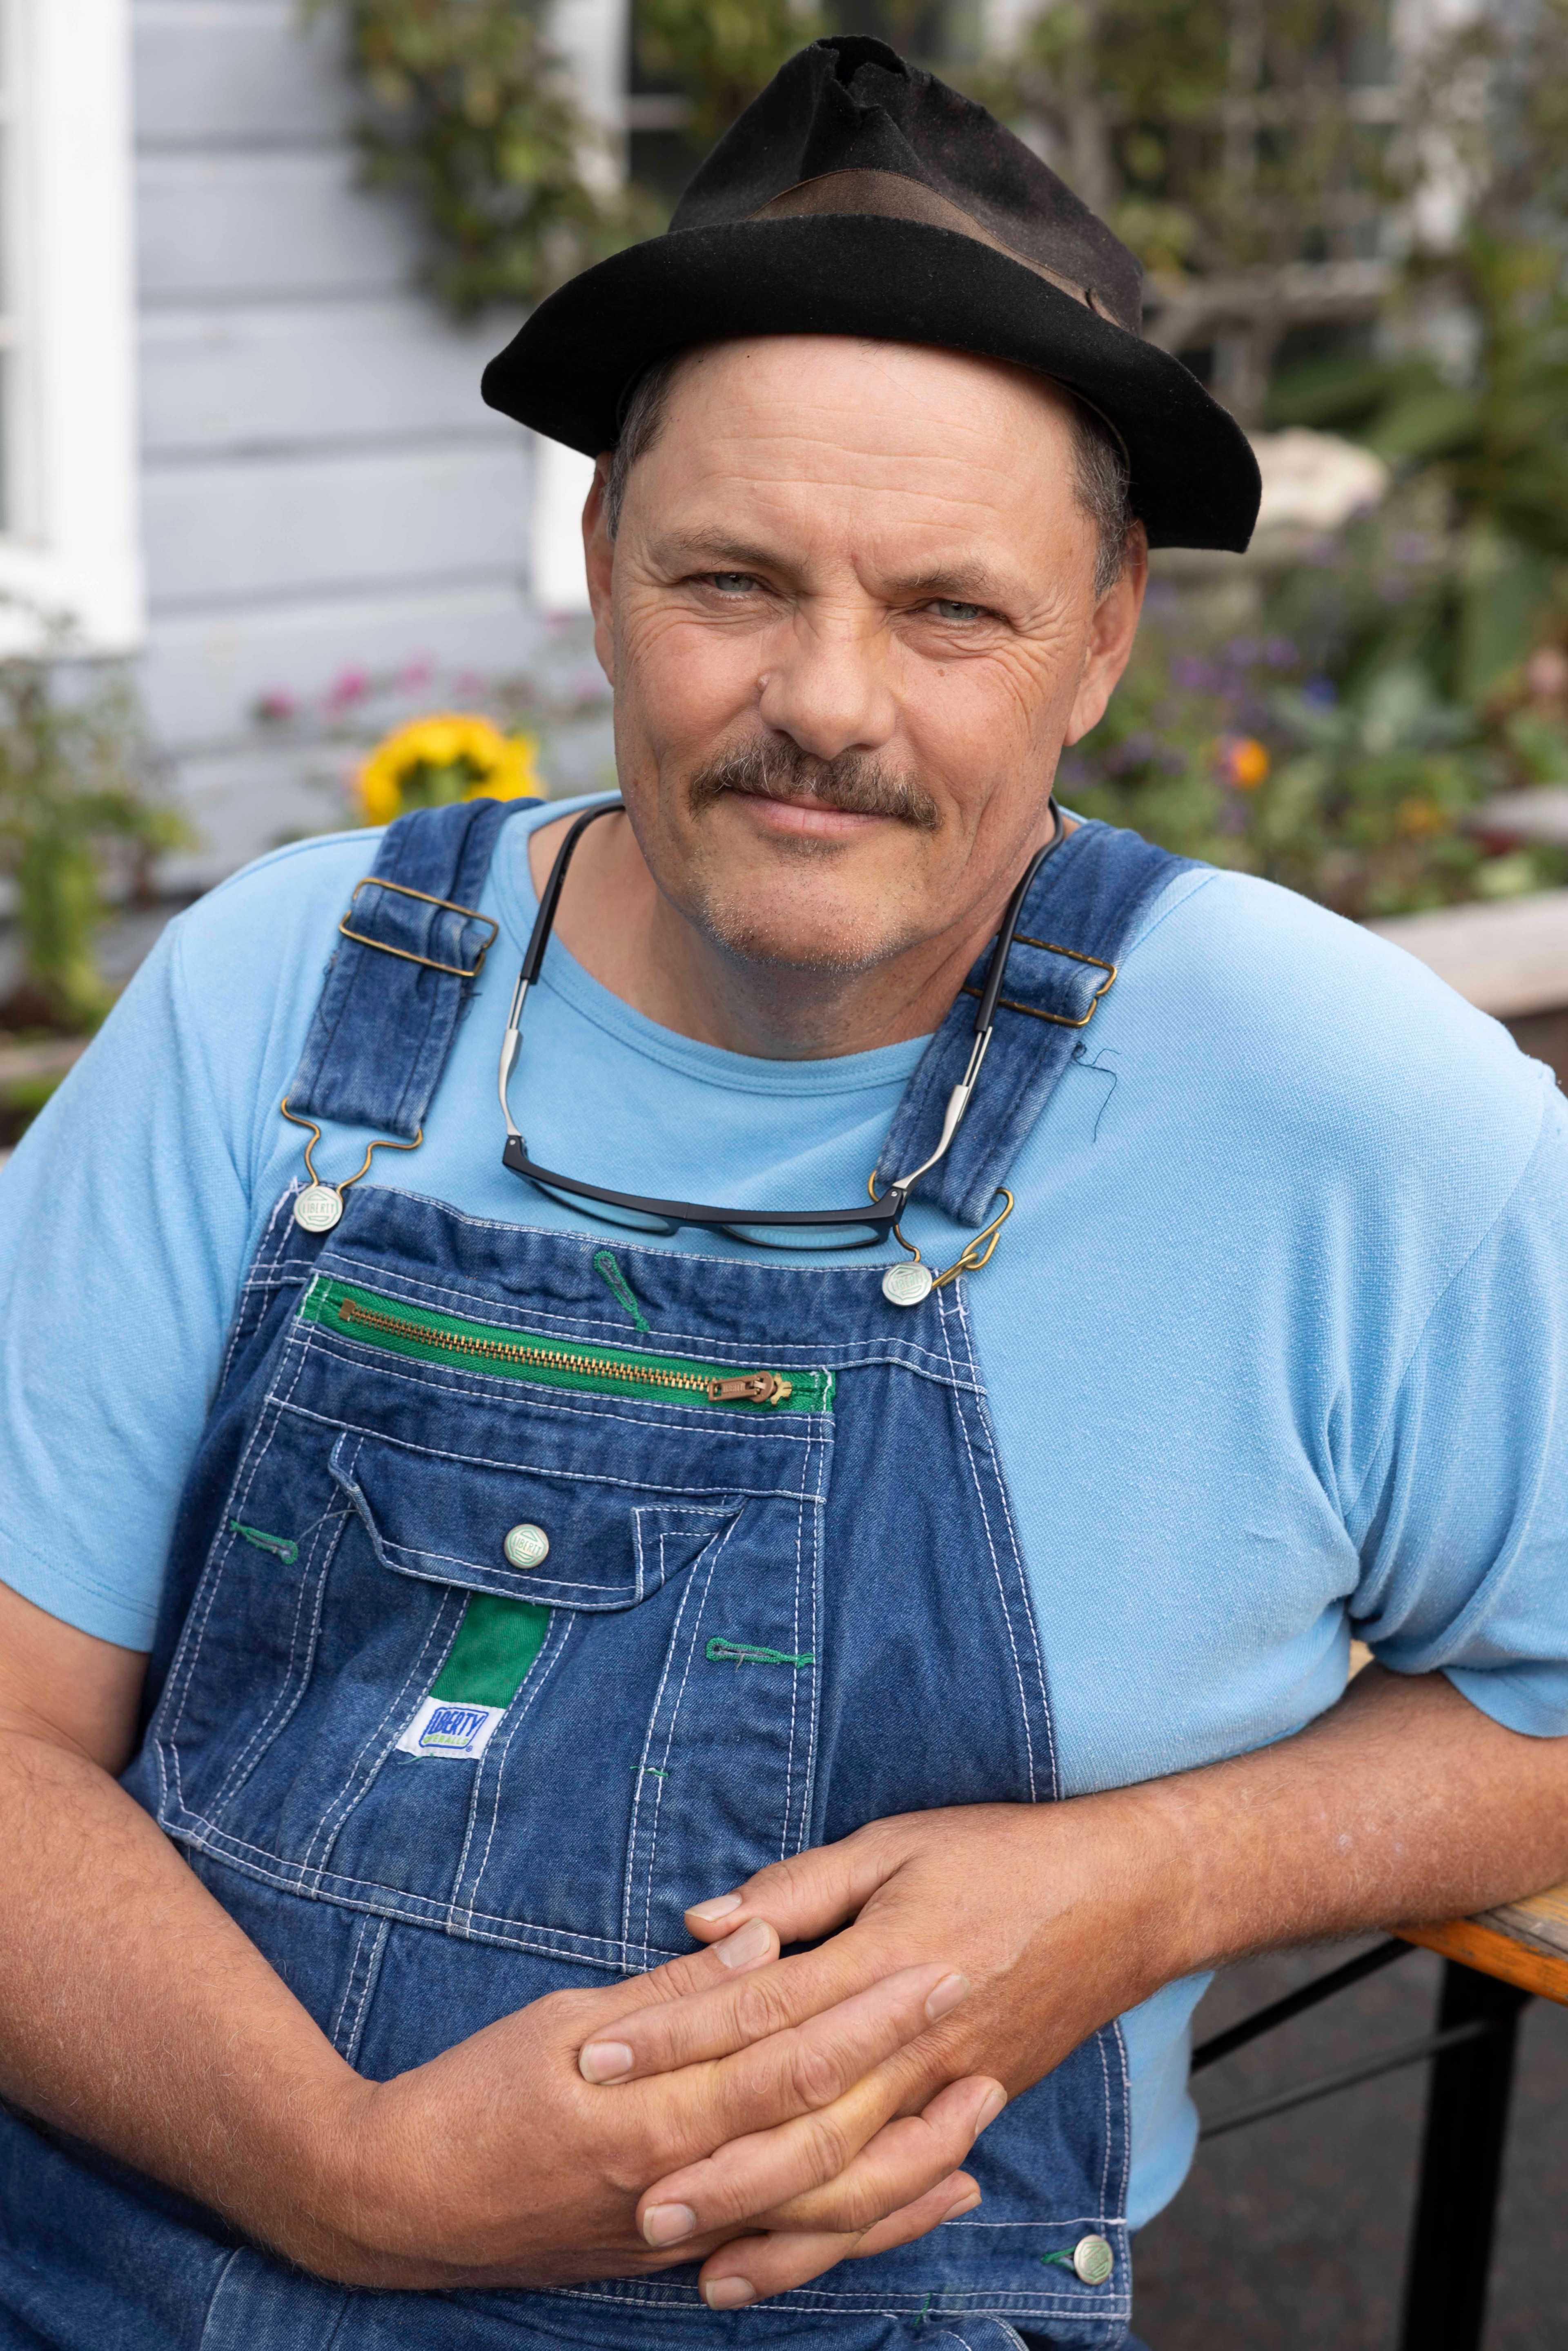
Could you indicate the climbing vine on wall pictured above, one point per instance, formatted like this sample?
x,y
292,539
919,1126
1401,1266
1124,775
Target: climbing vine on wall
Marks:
x,y
469,112
720,52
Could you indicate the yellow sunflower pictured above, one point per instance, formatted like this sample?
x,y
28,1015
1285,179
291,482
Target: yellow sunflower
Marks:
x,y
453,755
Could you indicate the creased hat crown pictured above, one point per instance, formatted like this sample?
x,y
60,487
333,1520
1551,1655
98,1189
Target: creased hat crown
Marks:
x,y
847,126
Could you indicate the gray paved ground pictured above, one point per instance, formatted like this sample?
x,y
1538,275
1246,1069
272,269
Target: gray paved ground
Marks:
x,y
1290,2235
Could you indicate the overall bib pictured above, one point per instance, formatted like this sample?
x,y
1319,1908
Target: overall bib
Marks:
x,y
491,1640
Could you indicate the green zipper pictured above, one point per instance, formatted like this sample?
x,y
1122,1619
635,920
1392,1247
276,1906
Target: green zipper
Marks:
x,y
435,1338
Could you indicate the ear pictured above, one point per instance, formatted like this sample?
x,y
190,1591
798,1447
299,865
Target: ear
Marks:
x,y
598,555
1112,631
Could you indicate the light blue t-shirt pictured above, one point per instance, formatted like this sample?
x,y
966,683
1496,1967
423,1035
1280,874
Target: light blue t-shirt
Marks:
x,y
1274,1338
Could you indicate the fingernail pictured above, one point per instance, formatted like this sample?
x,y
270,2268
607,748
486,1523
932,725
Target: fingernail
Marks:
x,y
729,2294
719,1908
966,2204
604,2061
748,1944
667,2224
947,1994
991,2105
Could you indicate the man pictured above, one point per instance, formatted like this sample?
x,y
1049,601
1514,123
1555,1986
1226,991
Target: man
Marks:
x,y
655,1535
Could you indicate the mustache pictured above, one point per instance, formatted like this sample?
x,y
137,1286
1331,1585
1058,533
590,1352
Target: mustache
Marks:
x,y
856,782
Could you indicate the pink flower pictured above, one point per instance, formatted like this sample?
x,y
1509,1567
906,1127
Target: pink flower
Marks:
x,y
350,686
415,672
275,705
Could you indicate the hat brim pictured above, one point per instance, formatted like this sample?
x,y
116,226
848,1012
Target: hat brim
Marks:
x,y
1195,480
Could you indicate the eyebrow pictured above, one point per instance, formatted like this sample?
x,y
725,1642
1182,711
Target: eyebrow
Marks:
x,y
962,581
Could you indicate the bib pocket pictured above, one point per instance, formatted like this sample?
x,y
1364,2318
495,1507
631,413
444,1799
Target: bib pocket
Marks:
x,y
536,1668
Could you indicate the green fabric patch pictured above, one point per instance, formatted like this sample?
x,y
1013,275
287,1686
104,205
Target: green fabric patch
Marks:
x,y
741,1652
497,1642
605,1265
279,1546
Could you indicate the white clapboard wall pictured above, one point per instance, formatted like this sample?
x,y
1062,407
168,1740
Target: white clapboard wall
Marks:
x,y
321,485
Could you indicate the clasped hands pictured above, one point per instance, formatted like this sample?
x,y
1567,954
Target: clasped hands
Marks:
x,y
766,2116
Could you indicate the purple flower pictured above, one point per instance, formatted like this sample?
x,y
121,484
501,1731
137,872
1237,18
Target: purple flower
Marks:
x,y
1243,651
1281,653
1412,547
1194,676
1319,694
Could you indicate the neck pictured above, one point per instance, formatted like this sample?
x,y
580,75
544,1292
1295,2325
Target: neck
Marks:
x,y
616,922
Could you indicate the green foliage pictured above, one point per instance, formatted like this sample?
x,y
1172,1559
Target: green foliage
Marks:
x,y
469,113
720,52
72,793
1318,749
1493,441
1214,135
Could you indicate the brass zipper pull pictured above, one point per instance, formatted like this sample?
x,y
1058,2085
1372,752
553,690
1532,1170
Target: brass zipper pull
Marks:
x,y
751,1387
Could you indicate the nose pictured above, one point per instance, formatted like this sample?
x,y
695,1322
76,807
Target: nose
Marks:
x,y
826,686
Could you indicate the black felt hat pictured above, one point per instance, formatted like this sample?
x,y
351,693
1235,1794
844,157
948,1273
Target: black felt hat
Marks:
x,y
858,195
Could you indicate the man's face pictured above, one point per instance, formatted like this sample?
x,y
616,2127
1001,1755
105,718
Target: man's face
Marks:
x,y
850,619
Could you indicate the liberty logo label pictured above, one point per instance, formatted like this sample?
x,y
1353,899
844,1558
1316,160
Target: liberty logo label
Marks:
x,y
445,1728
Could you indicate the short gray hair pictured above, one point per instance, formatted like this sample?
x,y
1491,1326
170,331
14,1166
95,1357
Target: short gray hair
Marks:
x,y
1102,473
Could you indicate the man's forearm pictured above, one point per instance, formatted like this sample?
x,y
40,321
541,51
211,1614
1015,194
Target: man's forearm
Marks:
x,y
136,2014
1404,1803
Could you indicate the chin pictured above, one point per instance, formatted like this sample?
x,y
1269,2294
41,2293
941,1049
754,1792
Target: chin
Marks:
x,y
845,938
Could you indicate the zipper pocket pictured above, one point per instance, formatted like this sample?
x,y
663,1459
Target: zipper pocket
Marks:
x,y
436,1338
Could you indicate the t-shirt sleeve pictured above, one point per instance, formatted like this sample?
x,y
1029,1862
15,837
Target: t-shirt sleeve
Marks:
x,y
1463,1521
124,1227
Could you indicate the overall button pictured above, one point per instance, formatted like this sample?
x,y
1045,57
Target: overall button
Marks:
x,y
1093,2260
529,1546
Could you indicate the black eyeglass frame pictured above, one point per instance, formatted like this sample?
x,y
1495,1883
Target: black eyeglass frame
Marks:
x,y
878,1221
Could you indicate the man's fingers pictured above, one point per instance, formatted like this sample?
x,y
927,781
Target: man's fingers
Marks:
x,y
812,2067
903,2163
751,2269
842,2171
697,1972
732,2008
805,1896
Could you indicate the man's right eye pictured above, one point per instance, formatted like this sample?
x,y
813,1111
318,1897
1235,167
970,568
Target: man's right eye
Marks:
x,y
732,583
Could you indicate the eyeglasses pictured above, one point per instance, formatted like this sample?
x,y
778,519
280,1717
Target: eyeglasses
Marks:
x,y
814,1228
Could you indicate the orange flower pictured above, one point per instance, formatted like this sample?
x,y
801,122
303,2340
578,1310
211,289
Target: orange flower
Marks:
x,y
1242,760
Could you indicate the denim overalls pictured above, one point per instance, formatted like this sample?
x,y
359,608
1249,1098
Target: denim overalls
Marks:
x,y
503,1623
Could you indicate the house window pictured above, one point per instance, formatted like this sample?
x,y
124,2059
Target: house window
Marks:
x,y
68,538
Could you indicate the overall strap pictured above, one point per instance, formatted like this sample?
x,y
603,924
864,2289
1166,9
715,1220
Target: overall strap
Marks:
x,y
412,948
1078,919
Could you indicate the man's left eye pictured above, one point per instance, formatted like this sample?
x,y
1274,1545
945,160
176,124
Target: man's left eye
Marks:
x,y
732,583
946,609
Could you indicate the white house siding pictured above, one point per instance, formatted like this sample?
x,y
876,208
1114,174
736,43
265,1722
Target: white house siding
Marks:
x,y
321,485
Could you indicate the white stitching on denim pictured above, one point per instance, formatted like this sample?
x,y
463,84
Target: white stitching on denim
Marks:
x,y
367,1983
779,1428
599,1478
270,1417
818,1538
367,1927
835,1355
1027,1598
1115,2027
286,1695
328,1829
712,1553
412,1909
1002,1592
700,1523
253,1281
538,1674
